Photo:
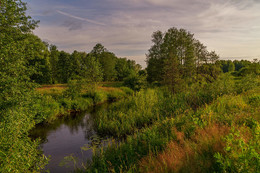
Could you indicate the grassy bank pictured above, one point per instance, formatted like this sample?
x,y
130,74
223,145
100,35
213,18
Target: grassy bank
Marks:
x,y
161,126
59,100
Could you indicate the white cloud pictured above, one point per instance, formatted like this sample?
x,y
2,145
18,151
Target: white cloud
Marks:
x,y
125,27
80,18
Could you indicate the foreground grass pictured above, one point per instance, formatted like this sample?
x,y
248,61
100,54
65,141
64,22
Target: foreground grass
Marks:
x,y
226,139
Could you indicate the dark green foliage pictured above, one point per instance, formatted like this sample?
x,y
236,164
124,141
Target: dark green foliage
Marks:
x,y
54,58
37,56
124,68
107,60
241,64
65,67
154,58
246,83
135,81
175,57
18,152
74,89
209,71
93,70
226,66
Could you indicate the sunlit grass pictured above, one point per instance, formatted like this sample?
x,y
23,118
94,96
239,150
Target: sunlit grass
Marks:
x,y
188,140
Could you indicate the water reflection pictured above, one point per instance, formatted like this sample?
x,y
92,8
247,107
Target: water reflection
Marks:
x,y
67,135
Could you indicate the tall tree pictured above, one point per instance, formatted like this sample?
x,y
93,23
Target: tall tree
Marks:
x,y
93,70
175,56
54,58
64,67
107,60
98,49
17,152
37,56
154,58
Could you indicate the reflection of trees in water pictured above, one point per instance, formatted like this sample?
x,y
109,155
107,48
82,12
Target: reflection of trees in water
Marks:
x,y
75,122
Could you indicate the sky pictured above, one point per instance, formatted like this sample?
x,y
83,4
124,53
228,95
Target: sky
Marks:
x,y
124,27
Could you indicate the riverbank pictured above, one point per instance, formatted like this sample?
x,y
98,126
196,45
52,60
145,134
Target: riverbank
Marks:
x,y
60,100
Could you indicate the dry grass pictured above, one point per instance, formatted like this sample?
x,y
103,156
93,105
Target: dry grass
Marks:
x,y
52,89
59,88
188,155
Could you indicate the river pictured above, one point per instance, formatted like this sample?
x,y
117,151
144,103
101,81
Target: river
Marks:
x,y
66,135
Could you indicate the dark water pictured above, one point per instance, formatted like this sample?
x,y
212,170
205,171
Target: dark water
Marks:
x,y
66,136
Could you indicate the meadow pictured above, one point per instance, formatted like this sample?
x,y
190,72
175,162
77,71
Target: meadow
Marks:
x,y
183,132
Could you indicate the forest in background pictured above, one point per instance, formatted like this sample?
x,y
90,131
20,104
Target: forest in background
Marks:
x,y
185,91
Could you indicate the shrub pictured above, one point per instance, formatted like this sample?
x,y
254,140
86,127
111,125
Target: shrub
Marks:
x,y
127,90
241,155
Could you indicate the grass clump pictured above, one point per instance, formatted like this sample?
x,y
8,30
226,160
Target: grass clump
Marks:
x,y
119,157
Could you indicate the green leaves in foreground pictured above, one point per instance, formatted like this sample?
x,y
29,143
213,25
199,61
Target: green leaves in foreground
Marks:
x,y
241,155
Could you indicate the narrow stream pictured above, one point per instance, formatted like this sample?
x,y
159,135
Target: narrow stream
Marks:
x,y
66,136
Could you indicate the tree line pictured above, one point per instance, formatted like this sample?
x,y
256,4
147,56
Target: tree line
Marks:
x,y
52,66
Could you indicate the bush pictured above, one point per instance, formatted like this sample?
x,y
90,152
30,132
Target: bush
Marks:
x,y
241,155
127,90
135,81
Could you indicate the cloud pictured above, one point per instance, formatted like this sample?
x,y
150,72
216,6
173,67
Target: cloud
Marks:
x,y
72,24
125,27
80,18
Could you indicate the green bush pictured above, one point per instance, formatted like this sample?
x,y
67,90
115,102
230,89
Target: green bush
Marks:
x,y
241,156
127,90
254,100
246,83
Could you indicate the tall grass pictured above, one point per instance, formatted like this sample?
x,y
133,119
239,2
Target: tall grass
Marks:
x,y
212,148
59,100
154,118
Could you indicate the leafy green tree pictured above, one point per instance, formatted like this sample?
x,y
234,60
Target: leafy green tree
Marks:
x,y
107,60
201,53
210,72
64,67
252,69
54,58
122,68
172,74
172,57
98,49
18,153
175,58
155,58
226,65
77,63
240,64
93,70
213,57
37,56
135,81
